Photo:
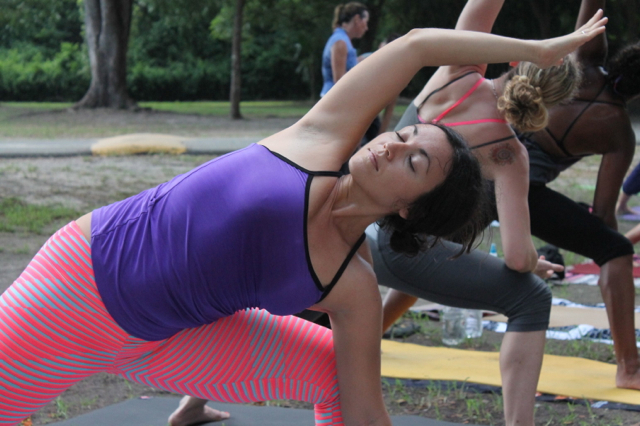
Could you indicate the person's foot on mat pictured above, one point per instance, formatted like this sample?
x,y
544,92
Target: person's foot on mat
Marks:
x,y
400,330
194,413
626,379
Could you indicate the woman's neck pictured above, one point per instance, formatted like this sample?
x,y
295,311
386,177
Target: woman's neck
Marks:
x,y
351,209
349,28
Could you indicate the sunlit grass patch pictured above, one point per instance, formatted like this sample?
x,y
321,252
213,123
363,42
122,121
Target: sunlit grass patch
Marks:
x,y
16,215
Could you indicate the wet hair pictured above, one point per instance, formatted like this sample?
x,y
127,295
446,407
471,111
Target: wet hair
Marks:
x,y
345,12
455,208
529,91
624,71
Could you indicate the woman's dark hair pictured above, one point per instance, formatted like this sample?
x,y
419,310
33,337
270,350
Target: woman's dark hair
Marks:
x,y
455,209
624,71
345,12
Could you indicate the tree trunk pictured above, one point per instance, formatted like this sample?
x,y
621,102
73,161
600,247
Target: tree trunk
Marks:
x,y
107,25
236,50
375,11
542,12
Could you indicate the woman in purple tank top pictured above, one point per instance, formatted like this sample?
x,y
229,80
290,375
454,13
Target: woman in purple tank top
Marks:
x,y
171,287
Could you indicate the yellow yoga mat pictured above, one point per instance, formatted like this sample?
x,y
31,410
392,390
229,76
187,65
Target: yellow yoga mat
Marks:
x,y
140,143
567,376
562,316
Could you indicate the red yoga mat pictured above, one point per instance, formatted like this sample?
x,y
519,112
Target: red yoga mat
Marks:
x,y
592,268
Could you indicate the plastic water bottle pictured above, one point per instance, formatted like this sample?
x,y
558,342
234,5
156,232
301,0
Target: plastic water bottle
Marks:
x,y
453,325
493,251
473,323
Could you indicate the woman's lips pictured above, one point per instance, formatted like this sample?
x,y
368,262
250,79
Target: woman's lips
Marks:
x,y
374,160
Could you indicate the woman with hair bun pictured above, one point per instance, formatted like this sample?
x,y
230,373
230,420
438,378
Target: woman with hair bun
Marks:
x,y
483,112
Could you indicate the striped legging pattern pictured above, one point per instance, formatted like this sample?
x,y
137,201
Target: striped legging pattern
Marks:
x,y
55,331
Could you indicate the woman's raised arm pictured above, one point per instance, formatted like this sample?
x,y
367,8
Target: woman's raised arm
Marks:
x,y
595,51
341,117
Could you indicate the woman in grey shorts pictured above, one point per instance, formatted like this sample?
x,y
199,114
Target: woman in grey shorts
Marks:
x,y
475,280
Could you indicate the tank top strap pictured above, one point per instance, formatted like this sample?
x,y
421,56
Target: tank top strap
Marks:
x,y
308,172
344,265
445,86
492,142
459,101
560,142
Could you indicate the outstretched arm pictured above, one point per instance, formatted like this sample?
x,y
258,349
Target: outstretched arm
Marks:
x,y
479,15
594,52
341,117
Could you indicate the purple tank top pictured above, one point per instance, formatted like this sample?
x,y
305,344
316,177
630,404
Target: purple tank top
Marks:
x,y
226,236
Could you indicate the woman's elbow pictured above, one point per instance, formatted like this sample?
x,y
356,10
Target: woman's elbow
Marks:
x,y
521,262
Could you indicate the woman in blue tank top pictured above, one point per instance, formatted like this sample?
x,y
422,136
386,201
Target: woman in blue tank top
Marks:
x,y
169,287
339,56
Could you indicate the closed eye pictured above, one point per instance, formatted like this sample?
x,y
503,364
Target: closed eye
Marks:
x,y
399,137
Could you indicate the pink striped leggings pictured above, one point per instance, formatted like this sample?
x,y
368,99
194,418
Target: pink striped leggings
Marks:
x,y
55,331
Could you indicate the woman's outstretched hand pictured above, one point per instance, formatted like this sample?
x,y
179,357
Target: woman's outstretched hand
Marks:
x,y
554,49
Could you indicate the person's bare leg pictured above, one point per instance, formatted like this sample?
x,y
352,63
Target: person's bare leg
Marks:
x,y
395,304
634,234
520,363
622,207
618,293
192,411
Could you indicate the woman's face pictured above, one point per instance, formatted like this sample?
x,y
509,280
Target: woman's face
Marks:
x,y
361,24
396,168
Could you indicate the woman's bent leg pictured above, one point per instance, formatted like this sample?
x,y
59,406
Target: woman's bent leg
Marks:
x,y
250,356
52,327
479,281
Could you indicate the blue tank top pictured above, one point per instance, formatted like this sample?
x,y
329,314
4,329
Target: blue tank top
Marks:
x,y
226,236
352,58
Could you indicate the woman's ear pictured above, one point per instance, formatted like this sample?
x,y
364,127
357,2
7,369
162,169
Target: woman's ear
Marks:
x,y
404,213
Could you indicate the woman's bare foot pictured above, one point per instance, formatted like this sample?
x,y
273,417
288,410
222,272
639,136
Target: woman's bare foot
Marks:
x,y
626,380
620,211
192,411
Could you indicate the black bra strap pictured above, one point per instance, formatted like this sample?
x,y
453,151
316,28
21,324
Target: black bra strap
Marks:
x,y
492,142
344,265
440,88
575,120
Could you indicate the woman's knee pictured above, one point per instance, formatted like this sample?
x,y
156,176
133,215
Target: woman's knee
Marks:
x,y
532,310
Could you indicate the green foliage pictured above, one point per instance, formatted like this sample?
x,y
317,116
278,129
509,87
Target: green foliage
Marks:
x,y
28,73
46,23
181,50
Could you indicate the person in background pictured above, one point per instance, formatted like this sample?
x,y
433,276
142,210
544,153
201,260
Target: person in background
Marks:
x,y
350,22
631,185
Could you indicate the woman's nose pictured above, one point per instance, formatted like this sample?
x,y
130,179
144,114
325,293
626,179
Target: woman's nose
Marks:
x,y
391,149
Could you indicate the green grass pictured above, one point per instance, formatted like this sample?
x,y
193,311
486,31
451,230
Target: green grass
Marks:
x,y
16,215
50,120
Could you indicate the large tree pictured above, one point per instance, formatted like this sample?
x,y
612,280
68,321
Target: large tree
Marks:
x,y
236,56
107,27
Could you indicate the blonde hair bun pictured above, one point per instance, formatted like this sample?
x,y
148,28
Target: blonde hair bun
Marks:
x,y
529,91
523,106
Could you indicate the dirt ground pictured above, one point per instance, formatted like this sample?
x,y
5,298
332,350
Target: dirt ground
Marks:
x,y
84,183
